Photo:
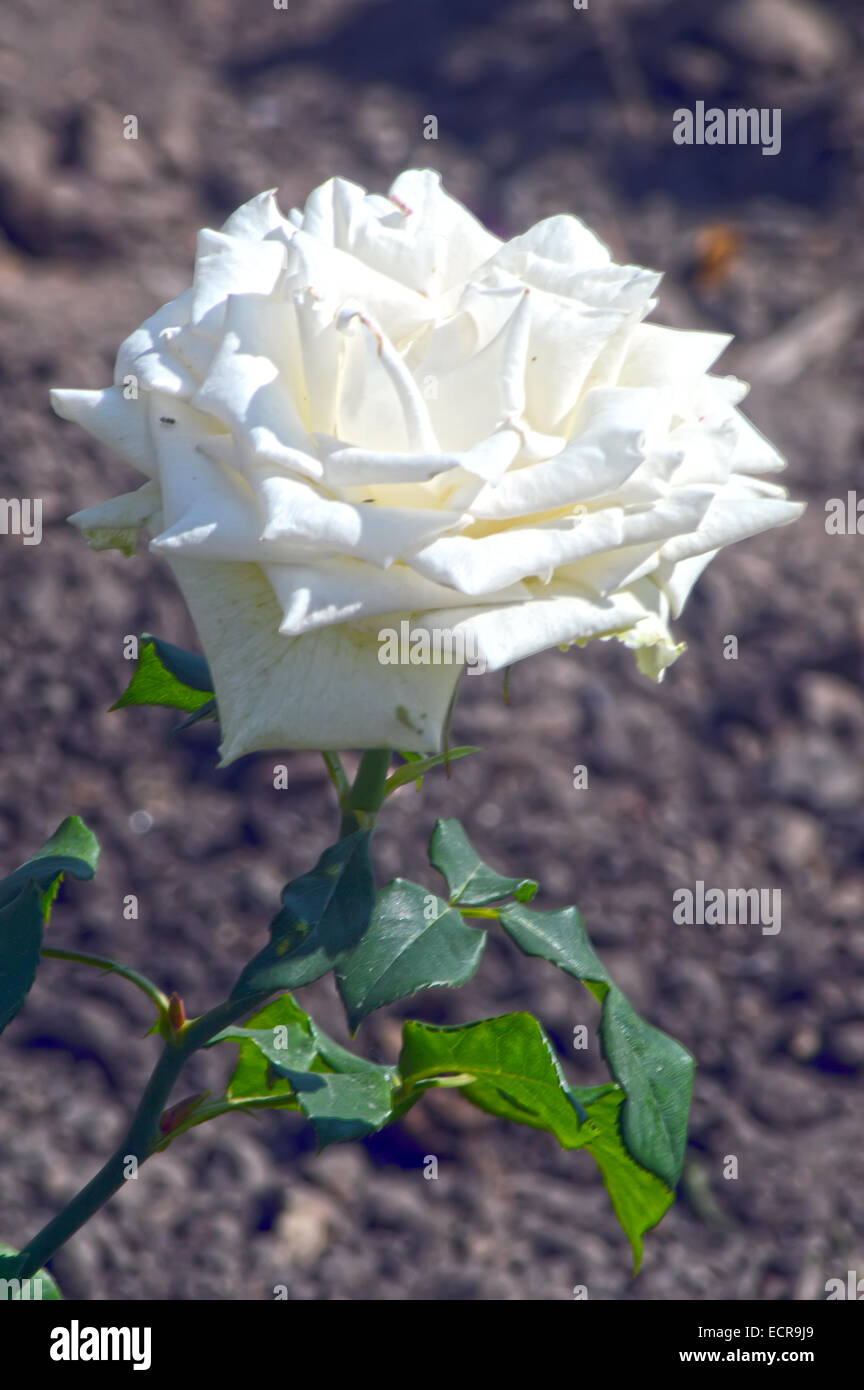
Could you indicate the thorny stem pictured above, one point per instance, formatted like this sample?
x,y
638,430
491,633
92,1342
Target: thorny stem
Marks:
x,y
140,1139
144,1136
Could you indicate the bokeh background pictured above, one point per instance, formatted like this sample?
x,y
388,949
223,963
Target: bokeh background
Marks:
x,y
740,773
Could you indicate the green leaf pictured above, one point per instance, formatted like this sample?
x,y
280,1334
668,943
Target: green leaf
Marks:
x,y
209,710
26,898
168,675
189,668
559,937
471,882
284,1053
338,1058
39,1286
416,766
515,1071
253,1075
517,1076
342,1106
72,849
655,1071
640,1199
583,1096
21,926
324,914
414,941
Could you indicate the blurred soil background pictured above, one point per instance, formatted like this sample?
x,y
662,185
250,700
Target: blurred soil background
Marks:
x,y
744,772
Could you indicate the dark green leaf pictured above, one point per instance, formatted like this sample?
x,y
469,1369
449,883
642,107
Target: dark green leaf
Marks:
x,y
338,1058
21,926
284,1053
324,913
414,941
209,710
168,675
655,1071
189,668
39,1286
516,1072
559,937
471,882
342,1105
26,896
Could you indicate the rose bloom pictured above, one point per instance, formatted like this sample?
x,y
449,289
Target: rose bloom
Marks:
x,y
374,410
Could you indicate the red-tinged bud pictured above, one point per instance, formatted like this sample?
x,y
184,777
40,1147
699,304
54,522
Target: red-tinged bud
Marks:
x,y
176,1012
176,1114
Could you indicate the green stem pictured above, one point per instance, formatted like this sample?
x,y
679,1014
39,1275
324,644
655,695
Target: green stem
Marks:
x,y
112,967
141,1137
368,792
360,804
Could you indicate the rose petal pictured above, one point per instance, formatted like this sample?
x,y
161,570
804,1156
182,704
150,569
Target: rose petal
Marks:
x,y
113,420
338,590
326,690
116,523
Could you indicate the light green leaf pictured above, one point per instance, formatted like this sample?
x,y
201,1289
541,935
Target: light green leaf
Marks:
x,y
640,1198
168,675
471,882
414,941
516,1072
517,1076
253,1075
416,766
39,1287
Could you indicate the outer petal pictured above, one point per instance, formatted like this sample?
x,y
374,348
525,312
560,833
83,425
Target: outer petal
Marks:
x,y
729,519
326,690
113,420
500,636
225,265
116,523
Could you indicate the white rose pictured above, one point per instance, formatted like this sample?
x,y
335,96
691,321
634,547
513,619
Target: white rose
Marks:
x,y
375,410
